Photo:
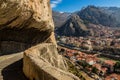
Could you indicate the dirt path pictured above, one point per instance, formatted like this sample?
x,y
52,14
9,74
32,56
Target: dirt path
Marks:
x,y
11,67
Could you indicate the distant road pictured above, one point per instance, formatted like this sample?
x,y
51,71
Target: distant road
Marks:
x,y
76,48
114,57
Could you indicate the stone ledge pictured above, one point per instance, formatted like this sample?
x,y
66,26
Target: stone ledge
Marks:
x,y
37,67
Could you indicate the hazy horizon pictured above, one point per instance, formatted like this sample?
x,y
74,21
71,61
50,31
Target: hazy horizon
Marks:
x,y
72,6
85,7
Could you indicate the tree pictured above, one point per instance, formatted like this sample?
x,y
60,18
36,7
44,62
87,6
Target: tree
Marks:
x,y
117,66
94,70
84,64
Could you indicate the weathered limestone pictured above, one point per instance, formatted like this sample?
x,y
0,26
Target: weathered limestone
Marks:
x,y
40,64
27,25
26,14
27,22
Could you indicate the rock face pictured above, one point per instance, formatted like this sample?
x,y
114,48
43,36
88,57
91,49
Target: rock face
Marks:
x,y
40,64
74,26
24,22
97,16
28,23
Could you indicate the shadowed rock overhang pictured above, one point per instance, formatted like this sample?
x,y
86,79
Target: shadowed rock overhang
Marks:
x,y
24,22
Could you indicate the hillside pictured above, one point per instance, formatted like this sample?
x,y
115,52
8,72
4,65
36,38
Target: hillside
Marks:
x,y
95,15
59,18
113,11
74,26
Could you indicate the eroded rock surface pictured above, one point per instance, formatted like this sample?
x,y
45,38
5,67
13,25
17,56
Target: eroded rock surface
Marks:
x,y
25,22
40,64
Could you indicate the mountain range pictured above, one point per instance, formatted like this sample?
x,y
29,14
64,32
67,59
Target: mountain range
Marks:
x,y
76,24
113,11
60,17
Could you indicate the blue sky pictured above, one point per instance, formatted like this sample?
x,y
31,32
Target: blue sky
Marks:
x,y
75,5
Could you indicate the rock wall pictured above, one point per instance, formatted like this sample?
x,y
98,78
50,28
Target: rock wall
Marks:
x,y
27,25
40,64
25,21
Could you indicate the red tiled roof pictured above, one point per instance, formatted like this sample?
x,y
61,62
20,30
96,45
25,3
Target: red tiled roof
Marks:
x,y
109,62
117,76
98,66
104,69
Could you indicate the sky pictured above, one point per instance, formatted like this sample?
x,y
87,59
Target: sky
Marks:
x,y
76,5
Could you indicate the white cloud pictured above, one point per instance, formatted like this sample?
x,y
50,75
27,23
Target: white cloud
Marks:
x,y
54,3
61,12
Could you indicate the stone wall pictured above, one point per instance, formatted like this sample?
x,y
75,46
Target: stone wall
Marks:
x,y
42,62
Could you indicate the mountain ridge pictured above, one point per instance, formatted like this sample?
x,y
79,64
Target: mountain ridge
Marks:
x,y
74,26
89,15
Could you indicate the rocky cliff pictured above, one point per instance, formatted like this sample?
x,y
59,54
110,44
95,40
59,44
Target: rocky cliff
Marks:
x,y
24,21
27,25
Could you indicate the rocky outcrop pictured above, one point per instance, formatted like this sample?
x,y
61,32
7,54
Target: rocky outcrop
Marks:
x,y
25,21
40,64
27,25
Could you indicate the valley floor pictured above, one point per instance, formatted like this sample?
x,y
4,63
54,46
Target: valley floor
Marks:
x,y
75,56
